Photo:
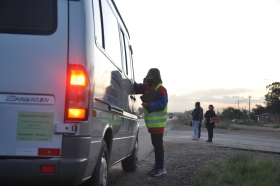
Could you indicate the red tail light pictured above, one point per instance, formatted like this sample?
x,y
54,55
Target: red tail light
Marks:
x,y
47,169
77,96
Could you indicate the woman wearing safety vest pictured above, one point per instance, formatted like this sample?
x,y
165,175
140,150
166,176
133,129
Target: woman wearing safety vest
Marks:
x,y
155,114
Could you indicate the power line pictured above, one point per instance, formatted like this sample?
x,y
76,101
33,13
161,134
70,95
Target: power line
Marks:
x,y
239,101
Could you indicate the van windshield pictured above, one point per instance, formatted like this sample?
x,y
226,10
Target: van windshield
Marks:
x,y
37,17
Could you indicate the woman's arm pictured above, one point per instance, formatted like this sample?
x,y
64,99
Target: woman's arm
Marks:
x,y
206,113
139,88
161,102
196,113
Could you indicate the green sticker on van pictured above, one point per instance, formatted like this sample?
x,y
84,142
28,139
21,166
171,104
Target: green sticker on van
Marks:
x,y
35,126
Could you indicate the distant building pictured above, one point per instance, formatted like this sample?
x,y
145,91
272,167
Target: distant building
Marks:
x,y
268,118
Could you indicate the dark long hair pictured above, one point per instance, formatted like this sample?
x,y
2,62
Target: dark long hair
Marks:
x,y
156,75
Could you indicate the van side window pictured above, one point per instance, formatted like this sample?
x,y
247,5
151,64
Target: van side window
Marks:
x,y
133,77
127,57
111,33
97,21
28,17
129,61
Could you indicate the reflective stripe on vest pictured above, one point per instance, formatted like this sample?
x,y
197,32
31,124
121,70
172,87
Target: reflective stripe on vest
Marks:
x,y
156,119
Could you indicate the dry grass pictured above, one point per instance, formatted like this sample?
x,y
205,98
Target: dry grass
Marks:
x,y
240,169
226,124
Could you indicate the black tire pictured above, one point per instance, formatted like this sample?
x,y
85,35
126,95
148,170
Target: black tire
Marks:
x,y
130,163
100,173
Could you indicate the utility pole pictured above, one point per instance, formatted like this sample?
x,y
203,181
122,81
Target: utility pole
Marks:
x,y
238,104
249,107
239,101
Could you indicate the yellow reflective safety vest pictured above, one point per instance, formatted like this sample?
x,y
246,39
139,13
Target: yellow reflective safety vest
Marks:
x,y
156,119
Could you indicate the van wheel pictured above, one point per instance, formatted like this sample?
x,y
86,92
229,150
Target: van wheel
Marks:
x,y
100,173
130,163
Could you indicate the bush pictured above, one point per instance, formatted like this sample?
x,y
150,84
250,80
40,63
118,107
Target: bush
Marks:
x,y
183,119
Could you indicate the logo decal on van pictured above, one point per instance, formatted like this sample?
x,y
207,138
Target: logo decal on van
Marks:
x,y
27,99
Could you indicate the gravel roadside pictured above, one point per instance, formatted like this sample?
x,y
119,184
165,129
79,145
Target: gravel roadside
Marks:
x,y
182,161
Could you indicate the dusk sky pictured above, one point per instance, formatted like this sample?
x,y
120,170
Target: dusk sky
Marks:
x,y
214,51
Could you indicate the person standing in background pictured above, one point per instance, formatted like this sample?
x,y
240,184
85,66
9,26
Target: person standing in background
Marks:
x,y
200,120
155,116
209,124
195,120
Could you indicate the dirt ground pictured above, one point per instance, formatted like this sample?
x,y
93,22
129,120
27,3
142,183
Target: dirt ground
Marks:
x,y
182,162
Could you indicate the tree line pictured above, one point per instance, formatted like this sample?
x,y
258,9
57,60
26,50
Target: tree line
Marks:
x,y
271,105
272,100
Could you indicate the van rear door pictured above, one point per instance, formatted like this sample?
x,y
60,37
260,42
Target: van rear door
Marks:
x,y
33,67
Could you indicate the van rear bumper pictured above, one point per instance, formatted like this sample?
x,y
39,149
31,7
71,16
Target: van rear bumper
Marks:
x,y
69,168
27,172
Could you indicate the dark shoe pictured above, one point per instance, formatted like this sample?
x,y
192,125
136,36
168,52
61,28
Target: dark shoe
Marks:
x,y
151,172
159,172
209,140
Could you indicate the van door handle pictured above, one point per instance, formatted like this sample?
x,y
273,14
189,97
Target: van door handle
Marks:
x,y
115,109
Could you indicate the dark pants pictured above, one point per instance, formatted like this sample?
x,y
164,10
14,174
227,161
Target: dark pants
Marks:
x,y
157,142
210,127
199,128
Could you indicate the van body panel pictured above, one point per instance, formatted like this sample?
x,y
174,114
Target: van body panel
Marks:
x,y
93,156
108,88
69,169
72,171
76,33
33,91
36,70
24,168
76,159
129,134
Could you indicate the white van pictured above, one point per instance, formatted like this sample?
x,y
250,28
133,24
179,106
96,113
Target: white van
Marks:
x,y
67,105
